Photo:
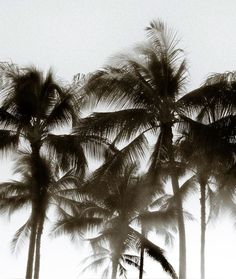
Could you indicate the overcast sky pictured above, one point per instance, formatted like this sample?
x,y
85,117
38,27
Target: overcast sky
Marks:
x,y
78,36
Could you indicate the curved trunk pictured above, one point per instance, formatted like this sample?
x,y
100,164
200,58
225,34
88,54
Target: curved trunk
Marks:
x,y
203,182
38,247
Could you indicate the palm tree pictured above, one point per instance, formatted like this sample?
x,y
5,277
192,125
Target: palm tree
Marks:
x,y
211,134
15,195
161,215
144,90
34,106
118,199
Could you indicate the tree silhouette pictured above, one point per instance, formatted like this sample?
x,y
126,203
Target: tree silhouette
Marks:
x,y
213,105
15,195
161,214
33,107
144,90
118,199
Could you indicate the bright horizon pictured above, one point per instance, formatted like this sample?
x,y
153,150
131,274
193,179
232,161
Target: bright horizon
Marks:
x,y
79,36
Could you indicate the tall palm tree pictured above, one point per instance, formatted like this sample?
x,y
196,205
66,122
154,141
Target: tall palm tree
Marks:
x,y
32,108
212,134
144,90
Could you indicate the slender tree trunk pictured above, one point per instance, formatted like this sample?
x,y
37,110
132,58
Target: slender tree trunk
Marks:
x,y
35,156
168,144
30,261
181,228
203,183
141,265
141,262
38,246
117,244
115,262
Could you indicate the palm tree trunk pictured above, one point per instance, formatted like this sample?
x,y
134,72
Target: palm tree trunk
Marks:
x,y
115,262
38,246
141,265
168,143
35,155
29,268
181,228
141,262
203,183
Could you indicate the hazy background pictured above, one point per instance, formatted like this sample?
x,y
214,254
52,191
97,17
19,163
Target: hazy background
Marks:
x,y
76,36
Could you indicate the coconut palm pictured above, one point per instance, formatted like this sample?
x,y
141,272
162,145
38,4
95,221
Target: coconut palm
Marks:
x,y
208,158
161,215
144,89
15,195
118,198
32,108
212,135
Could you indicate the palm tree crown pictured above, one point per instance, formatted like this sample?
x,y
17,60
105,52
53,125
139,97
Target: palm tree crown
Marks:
x,y
144,89
33,108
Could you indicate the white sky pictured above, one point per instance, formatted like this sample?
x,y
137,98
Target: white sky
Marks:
x,y
76,36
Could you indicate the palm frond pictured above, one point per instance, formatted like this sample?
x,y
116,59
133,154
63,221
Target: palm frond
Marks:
x,y
51,93
214,204
134,151
117,87
19,237
101,252
188,188
132,260
117,163
8,140
12,188
74,226
167,235
125,123
106,272
67,181
160,201
8,120
164,39
215,99
60,114
12,204
105,236
68,152
96,263
94,146
156,253
122,270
